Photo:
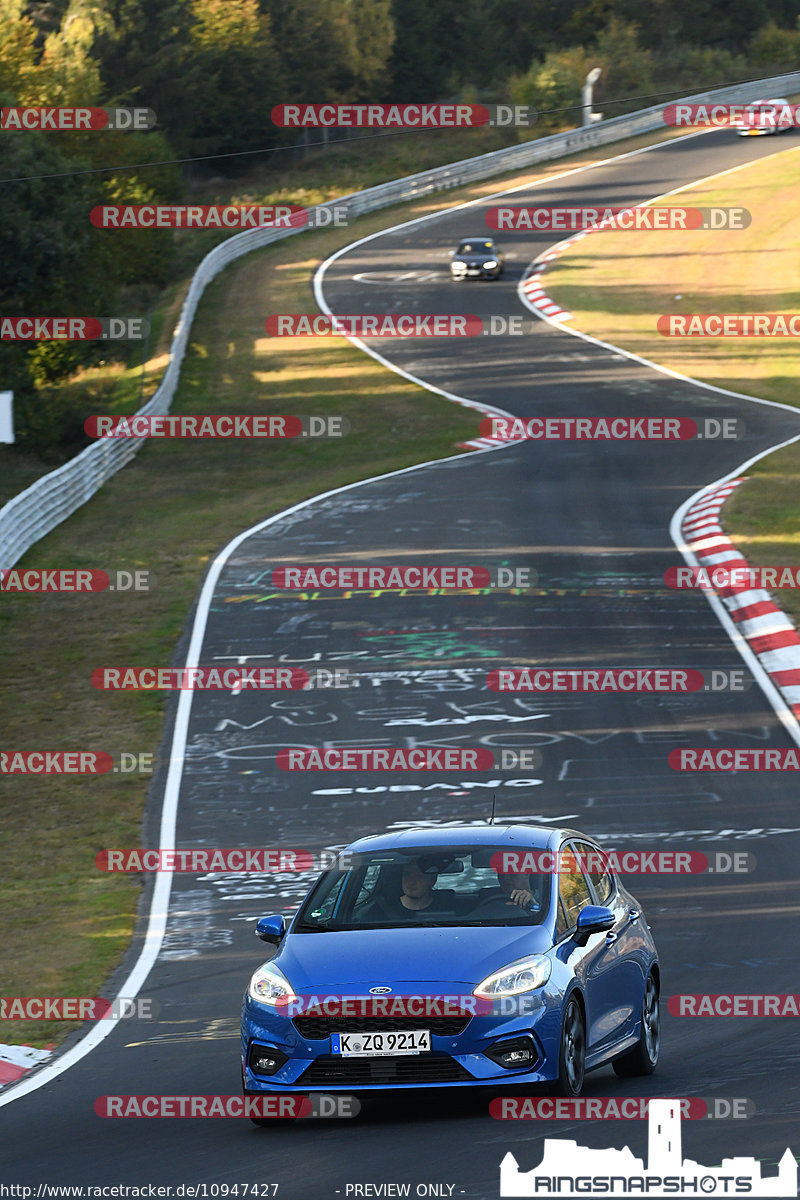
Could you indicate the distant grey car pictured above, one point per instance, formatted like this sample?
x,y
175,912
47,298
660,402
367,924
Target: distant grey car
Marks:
x,y
763,117
476,258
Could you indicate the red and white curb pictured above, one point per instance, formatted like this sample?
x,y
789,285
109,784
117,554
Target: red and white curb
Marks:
x,y
16,1061
770,634
533,294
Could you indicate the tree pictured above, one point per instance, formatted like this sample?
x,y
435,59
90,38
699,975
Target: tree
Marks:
x,y
232,51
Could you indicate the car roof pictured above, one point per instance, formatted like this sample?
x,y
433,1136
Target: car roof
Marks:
x,y
480,238
540,837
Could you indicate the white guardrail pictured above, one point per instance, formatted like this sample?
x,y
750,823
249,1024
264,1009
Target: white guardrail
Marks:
x,y
33,513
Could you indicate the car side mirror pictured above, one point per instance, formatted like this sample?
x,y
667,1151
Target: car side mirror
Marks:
x,y
271,929
594,918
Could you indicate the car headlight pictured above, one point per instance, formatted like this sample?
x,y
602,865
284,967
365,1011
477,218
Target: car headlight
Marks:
x,y
270,986
525,975
491,263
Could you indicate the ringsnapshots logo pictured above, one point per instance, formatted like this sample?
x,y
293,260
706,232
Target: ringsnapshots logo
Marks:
x,y
568,1169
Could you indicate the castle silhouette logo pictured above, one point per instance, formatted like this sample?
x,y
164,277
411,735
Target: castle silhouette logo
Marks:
x,y
568,1169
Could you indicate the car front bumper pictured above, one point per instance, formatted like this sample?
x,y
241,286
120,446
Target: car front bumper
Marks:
x,y
453,1061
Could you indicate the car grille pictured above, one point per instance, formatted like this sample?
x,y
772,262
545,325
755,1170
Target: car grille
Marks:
x,y
404,1068
317,1027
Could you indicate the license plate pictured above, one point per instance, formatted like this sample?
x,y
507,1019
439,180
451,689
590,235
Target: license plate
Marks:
x,y
371,1045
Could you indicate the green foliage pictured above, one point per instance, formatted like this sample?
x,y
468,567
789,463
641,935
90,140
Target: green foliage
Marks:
x,y
627,68
554,84
775,50
232,53
212,70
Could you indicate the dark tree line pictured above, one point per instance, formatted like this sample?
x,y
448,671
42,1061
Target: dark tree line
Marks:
x,y
213,69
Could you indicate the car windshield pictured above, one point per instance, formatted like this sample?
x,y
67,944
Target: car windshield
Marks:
x,y
475,248
424,886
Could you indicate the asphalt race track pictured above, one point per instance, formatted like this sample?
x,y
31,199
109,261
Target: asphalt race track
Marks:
x,y
592,520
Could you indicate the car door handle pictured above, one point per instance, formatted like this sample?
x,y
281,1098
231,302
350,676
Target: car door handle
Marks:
x,y
633,914
611,938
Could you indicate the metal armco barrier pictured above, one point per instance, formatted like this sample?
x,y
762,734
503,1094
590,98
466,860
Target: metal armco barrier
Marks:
x,y
33,513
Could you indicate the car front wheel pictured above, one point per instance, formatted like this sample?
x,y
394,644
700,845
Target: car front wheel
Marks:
x,y
572,1052
642,1059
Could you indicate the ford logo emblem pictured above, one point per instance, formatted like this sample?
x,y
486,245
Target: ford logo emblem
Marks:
x,y
379,991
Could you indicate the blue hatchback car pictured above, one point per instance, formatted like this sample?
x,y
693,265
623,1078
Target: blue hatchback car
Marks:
x,y
479,955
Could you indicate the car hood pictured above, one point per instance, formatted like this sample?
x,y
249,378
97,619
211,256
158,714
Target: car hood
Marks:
x,y
364,957
476,260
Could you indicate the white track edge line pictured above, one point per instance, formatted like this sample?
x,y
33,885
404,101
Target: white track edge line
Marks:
x,y
159,905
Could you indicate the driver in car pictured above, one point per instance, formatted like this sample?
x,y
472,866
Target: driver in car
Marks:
x,y
417,895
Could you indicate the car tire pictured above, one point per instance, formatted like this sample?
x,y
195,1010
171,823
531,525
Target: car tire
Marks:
x,y
571,1051
643,1058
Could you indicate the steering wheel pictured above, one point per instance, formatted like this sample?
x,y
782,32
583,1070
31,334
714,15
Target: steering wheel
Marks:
x,y
504,907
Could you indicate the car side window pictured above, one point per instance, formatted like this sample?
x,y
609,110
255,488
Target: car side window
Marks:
x,y
573,889
326,904
599,877
561,920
